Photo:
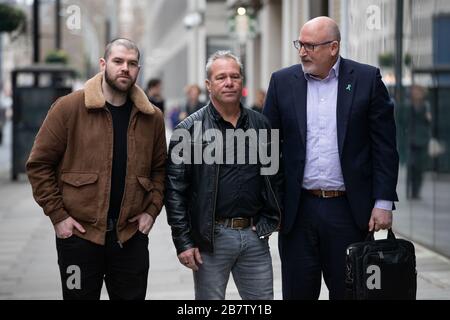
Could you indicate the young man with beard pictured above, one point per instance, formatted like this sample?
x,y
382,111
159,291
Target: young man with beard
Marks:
x,y
97,170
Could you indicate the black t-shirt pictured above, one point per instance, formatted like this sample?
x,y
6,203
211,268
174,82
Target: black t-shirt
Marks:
x,y
121,119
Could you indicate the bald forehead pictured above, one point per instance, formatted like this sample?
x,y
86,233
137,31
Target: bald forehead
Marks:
x,y
321,28
324,22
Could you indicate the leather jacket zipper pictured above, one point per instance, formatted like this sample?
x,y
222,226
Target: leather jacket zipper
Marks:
x,y
215,202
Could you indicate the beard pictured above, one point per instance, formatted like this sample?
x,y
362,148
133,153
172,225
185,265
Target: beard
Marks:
x,y
116,85
307,66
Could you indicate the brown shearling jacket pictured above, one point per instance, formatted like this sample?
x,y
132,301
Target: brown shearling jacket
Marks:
x,y
69,167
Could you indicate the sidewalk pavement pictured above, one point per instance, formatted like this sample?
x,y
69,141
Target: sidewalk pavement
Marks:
x,y
28,264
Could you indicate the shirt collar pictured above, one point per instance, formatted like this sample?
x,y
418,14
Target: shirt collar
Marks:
x,y
334,72
243,117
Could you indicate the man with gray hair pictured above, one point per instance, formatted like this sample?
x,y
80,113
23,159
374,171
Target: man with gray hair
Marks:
x,y
340,159
97,170
222,214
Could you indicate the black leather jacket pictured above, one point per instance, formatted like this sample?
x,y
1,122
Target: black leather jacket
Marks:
x,y
191,190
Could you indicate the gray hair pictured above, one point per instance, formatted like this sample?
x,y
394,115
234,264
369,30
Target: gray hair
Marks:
x,y
336,33
222,54
127,43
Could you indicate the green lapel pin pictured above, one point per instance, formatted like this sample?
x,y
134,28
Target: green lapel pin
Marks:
x,y
349,87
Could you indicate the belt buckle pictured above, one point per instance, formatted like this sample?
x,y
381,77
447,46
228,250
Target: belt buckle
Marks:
x,y
324,194
232,223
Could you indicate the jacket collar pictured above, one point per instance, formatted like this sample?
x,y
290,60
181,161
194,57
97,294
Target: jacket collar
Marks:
x,y
94,98
242,121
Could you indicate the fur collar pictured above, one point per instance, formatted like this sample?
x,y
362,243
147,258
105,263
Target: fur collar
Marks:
x,y
94,99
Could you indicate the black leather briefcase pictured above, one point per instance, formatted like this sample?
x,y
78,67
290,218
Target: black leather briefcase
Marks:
x,y
381,269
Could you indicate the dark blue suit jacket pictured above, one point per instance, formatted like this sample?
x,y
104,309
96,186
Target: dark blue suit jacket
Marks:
x,y
365,130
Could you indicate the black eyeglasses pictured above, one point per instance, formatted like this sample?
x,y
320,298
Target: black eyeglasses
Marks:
x,y
309,46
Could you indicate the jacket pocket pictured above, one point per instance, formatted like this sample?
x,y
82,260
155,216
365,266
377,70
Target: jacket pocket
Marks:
x,y
146,183
80,195
143,194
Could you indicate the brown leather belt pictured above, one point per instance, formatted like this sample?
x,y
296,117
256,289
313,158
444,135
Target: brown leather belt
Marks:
x,y
235,223
326,193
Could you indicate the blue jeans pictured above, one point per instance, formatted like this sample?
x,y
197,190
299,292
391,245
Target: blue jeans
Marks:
x,y
242,253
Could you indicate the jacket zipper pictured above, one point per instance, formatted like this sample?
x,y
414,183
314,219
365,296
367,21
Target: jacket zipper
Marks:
x,y
214,209
110,167
126,175
215,204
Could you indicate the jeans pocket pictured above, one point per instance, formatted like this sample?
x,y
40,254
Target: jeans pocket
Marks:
x,y
217,229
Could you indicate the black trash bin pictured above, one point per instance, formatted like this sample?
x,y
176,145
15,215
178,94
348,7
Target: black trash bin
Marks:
x,y
35,88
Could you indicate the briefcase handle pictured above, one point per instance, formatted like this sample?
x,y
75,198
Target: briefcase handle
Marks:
x,y
390,235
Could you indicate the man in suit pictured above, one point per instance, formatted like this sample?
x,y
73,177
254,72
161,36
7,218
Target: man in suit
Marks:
x,y
337,128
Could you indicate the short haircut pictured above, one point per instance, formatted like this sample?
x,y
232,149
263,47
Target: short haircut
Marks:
x,y
222,54
127,43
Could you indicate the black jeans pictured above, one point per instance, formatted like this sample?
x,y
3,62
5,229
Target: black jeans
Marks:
x,y
84,265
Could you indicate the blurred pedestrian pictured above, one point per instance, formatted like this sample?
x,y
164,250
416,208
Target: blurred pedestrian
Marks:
x,y
419,134
175,116
97,168
154,93
259,100
193,102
